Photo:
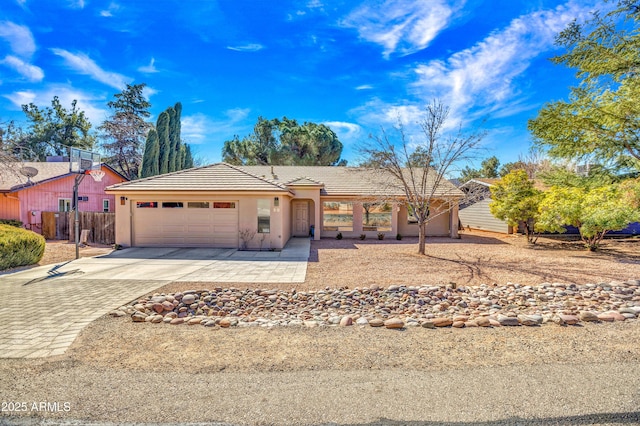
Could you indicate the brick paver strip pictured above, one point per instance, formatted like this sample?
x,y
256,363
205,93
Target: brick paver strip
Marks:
x,y
42,318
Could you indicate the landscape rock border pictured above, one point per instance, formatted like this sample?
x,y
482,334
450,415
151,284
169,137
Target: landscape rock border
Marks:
x,y
394,307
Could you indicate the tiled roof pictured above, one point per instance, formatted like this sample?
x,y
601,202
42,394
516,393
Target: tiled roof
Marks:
x,y
334,181
216,177
345,181
12,180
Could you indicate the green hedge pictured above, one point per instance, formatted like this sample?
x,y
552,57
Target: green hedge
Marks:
x,y
19,247
12,222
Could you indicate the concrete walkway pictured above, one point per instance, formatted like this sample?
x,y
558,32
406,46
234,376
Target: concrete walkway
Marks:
x,y
45,308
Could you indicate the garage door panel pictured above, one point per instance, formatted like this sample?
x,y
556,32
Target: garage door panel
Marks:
x,y
185,227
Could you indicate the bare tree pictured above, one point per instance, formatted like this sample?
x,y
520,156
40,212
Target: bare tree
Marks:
x,y
418,168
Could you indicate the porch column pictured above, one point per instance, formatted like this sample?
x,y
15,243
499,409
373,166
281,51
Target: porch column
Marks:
x,y
395,209
453,223
317,204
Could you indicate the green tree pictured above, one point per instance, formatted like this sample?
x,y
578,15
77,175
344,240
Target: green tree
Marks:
x,y
601,119
285,142
594,211
488,169
515,200
175,161
53,130
164,150
124,131
162,127
151,157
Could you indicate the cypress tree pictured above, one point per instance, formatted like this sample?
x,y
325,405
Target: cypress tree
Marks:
x,y
175,134
163,141
188,159
173,148
151,155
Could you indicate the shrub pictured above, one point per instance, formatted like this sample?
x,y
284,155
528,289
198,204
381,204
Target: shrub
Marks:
x,y
19,247
11,222
363,236
398,236
339,236
381,235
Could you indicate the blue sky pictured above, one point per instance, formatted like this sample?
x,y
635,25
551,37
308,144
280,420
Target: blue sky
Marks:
x,y
356,66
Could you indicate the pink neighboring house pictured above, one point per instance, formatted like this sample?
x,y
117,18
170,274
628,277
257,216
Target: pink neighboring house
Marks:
x,y
51,190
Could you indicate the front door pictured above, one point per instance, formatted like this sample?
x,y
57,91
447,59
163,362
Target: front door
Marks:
x,y
301,219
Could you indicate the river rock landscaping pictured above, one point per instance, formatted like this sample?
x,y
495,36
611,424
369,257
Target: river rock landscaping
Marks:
x,y
394,307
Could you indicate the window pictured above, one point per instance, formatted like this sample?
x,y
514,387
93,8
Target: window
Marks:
x,y
147,204
172,205
198,204
337,216
225,205
64,204
376,217
264,216
105,205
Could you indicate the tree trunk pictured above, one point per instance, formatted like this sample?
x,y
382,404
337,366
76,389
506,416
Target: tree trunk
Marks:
x,y
421,237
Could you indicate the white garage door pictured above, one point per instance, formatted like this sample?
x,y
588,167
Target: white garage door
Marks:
x,y
185,224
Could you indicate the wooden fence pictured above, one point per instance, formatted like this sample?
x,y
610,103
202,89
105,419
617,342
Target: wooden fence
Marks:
x,y
60,226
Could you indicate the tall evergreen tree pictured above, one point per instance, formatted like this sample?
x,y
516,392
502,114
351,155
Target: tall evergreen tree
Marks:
x,y
175,162
162,127
188,158
125,130
151,158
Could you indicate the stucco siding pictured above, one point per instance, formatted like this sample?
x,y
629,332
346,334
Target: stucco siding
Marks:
x,y
438,226
478,216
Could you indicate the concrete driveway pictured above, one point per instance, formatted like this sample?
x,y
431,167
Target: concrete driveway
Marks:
x,y
183,264
46,307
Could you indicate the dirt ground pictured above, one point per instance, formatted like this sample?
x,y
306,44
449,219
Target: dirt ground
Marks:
x,y
58,251
477,258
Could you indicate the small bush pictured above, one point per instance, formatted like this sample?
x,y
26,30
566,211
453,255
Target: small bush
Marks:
x,y
363,236
11,222
19,247
339,236
381,235
398,237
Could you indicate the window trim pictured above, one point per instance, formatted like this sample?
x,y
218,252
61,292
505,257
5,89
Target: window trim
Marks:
x,y
106,209
67,205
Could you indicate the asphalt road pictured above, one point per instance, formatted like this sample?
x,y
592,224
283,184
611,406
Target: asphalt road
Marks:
x,y
594,394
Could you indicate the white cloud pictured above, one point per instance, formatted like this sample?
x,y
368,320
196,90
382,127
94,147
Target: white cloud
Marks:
x,y
30,72
91,104
237,114
403,26
19,37
149,69
483,76
364,87
482,80
87,66
348,133
251,47
77,4
200,129
109,12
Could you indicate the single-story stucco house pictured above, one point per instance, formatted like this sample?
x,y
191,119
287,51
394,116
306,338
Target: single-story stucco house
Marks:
x,y
49,188
262,207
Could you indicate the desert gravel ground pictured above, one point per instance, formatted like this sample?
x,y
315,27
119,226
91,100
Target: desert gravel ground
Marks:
x,y
119,371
